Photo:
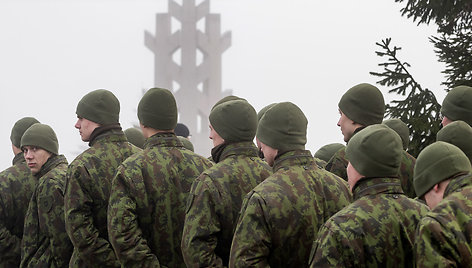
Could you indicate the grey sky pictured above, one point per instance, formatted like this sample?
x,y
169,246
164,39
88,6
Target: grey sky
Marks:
x,y
308,52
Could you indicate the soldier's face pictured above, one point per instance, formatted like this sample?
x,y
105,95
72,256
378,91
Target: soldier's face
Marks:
x,y
347,126
35,157
269,153
85,127
215,137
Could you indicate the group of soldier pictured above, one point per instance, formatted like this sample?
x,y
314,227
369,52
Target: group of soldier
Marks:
x,y
143,198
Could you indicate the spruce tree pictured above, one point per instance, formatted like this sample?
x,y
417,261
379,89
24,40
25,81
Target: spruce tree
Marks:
x,y
419,109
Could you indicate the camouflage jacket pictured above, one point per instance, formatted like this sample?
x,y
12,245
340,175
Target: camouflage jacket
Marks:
x,y
444,235
214,204
376,230
338,164
146,211
17,184
45,241
281,216
86,199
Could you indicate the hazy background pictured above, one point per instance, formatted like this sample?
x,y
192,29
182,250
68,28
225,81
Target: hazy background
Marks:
x,y
52,52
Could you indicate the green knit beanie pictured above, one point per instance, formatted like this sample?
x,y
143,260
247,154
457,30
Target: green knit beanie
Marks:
x,y
458,133
326,152
263,111
42,136
457,105
225,99
363,104
437,162
187,144
158,109
401,128
135,136
283,127
100,106
19,128
375,151
234,120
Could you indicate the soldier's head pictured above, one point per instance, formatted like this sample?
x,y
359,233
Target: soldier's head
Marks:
x,y
225,99
457,105
97,108
182,131
157,112
186,143
39,143
281,129
435,166
375,151
259,116
18,130
361,105
458,133
401,128
135,136
232,121
327,151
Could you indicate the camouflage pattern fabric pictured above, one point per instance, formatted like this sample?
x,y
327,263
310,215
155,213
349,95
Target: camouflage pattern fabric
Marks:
x,y
214,204
45,241
338,164
321,163
86,199
444,237
280,218
17,185
376,230
146,210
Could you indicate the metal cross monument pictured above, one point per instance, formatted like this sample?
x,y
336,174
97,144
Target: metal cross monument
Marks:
x,y
196,79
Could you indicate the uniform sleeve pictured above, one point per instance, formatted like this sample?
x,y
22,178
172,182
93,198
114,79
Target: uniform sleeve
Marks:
x,y
125,235
79,221
10,249
433,246
252,238
328,249
61,247
30,241
199,239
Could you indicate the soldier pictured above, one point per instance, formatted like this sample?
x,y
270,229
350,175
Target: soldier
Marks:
x,y
280,217
45,240
146,211
217,194
443,178
362,105
407,165
458,133
457,105
324,154
89,179
135,136
17,184
378,228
